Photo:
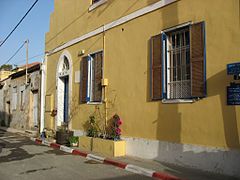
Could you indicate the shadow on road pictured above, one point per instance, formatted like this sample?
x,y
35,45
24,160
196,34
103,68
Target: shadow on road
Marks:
x,y
11,147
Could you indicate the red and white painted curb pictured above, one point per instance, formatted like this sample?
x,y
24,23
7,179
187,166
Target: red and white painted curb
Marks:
x,y
128,167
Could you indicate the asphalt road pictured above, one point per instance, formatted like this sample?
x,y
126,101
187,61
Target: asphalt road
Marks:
x,y
22,159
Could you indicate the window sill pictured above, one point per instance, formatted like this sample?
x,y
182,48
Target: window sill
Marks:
x,y
94,103
95,5
175,101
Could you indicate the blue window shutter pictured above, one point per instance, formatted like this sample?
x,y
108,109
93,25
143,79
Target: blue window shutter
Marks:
x,y
164,90
89,79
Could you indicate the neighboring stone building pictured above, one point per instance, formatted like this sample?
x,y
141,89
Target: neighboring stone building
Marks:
x,y
4,74
5,71
5,110
20,103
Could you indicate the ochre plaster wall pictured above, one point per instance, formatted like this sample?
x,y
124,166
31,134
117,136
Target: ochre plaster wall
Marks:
x,y
207,122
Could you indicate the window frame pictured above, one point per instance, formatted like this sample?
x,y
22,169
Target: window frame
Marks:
x,y
167,64
22,94
90,78
165,58
21,99
14,98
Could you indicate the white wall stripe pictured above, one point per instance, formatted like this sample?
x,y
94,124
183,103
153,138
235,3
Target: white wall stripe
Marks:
x,y
113,24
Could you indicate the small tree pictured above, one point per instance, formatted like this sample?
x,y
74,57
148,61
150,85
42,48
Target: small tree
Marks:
x,y
6,67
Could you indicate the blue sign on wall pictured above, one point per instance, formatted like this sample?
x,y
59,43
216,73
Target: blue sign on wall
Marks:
x,y
233,95
233,69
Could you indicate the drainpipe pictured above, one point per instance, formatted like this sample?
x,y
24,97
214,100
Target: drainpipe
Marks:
x,y
105,84
43,84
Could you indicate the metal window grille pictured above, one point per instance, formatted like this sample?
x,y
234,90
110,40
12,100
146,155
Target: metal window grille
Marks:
x,y
179,82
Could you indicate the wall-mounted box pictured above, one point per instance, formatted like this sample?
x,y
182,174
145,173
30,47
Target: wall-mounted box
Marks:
x,y
104,82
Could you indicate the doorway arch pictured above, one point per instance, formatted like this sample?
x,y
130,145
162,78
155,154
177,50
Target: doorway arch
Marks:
x,y
64,89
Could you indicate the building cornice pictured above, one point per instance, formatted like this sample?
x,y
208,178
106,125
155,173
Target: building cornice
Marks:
x,y
113,24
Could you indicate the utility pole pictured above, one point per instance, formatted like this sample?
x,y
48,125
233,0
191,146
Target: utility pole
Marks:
x,y
26,43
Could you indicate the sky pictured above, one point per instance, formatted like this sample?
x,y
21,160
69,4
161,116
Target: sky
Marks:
x,y
33,28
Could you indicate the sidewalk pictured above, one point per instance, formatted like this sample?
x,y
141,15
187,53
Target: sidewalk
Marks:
x,y
28,133
137,165
180,172
159,170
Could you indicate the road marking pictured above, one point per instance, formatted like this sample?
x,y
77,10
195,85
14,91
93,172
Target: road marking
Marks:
x,y
95,158
66,149
139,170
128,167
44,142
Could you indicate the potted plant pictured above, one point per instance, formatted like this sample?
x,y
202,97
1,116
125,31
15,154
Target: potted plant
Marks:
x,y
73,141
113,129
92,130
63,134
92,127
112,145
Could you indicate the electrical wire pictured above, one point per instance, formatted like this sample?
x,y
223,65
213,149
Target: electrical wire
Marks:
x,y
14,54
18,23
24,60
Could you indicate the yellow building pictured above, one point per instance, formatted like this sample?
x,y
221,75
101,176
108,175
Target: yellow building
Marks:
x,y
4,74
165,63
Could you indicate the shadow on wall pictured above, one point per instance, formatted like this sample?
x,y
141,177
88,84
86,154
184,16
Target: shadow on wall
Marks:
x,y
169,120
208,159
100,12
217,86
149,2
126,11
52,88
5,119
66,27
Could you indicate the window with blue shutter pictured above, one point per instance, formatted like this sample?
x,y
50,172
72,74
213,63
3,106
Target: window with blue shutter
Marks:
x,y
178,63
91,75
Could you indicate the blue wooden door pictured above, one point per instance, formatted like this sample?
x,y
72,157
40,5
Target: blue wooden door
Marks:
x,y
66,99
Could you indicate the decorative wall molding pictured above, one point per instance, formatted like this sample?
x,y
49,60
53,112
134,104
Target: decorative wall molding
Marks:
x,y
115,23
